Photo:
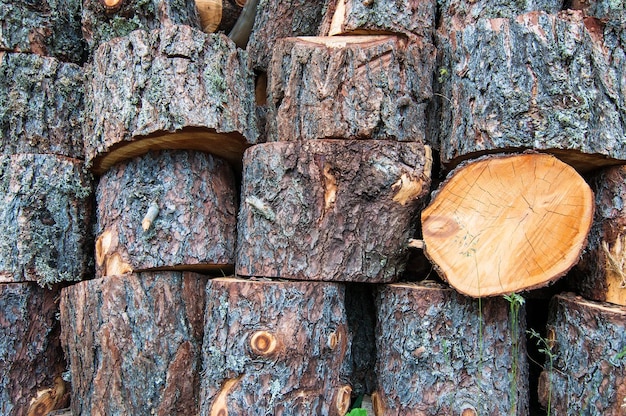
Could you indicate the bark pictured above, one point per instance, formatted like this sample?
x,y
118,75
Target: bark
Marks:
x,y
548,82
166,210
602,9
335,210
281,19
508,223
48,27
31,358
133,343
587,374
100,25
350,87
46,215
440,353
413,18
129,96
274,348
41,105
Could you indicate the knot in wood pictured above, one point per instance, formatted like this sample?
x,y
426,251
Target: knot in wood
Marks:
x,y
111,6
263,343
469,411
343,399
333,340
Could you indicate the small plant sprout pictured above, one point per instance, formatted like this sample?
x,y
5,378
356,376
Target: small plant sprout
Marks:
x,y
545,347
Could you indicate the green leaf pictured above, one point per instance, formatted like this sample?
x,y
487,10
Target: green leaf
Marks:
x,y
357,412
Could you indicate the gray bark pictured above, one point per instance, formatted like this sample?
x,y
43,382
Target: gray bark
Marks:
x,y
614,11
41,105
46,219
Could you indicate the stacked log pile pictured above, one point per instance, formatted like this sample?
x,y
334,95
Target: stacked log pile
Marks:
x,y
263,175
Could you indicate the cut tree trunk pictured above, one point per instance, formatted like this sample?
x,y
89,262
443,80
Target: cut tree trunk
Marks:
x,y
45,219
440,353
349,87
102,22
413,18
41,105
274,348
129,91
540,81
166,210
218,15
508,223
133,343
31,358
587,374
600,273
51,28
335,210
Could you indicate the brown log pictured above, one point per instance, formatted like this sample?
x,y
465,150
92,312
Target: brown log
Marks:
x,y
41,105
45,217
508,223
218,15
31,358
350,87
50,28
133,343
413,18
440,353
274,348
336,210
539,81
129,103
586,374
165,210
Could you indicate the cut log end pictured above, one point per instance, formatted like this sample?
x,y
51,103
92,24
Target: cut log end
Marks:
x,y
210,12
47,400
343,399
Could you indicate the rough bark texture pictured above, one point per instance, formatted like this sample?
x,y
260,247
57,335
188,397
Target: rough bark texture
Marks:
x,y
600,273
538,81
413,18
508,223
47,27
330,209
31,357
168,209
587,375
101,25
281,19
440,353
133,343
456,14
350,87
41,105
602,9
46,215
274,348
131,85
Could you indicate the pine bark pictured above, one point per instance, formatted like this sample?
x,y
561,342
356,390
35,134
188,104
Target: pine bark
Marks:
x,y
274,348
587,374
133,343
46,218
31,358
349,87
540,81
41,105
334,210
49,27
166,210
602,9
508,223
129,91
456,14
440,353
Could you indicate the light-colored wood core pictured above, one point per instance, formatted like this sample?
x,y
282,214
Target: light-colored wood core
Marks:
x,y
263,343
343,399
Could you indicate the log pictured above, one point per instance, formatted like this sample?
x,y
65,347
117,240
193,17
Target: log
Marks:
x,y
45,217
31,358
440,353
412,18
274,348
349,87
41,105
50,28
104,20
129,104
458,14
168,210
539,81
336,210
584,372
507,223
133,343
218,15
